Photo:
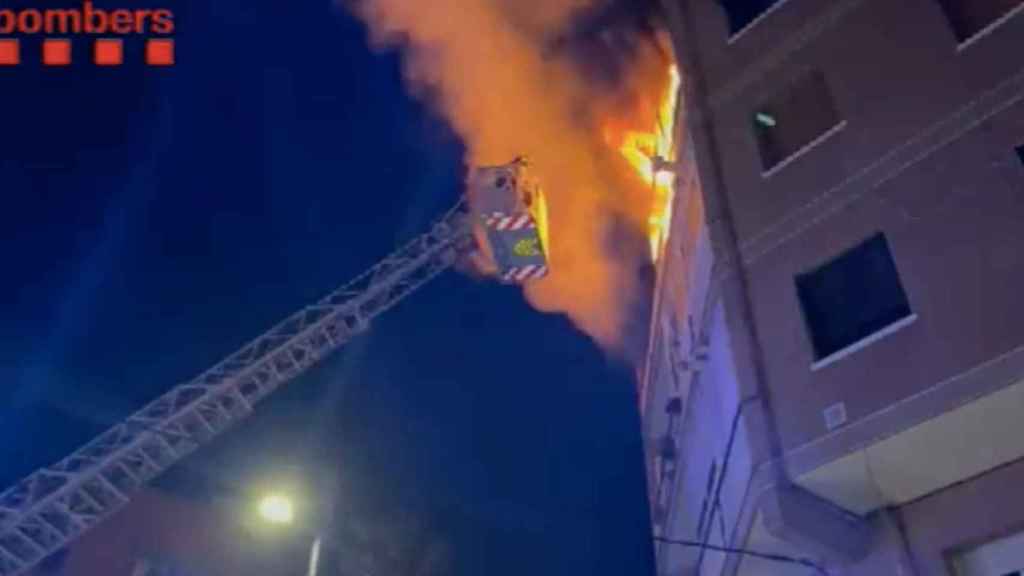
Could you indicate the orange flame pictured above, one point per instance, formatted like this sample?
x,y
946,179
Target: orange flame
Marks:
x,y
640,150
488,66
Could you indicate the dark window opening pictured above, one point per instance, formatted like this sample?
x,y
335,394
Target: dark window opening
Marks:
x,y
969,17
852,297
1020,153
794,118
742,12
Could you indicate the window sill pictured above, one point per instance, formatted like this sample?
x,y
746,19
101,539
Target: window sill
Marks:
x,y
977,36
863,343
734,37
766,174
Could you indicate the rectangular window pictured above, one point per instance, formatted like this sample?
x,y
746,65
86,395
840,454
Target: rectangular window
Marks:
x,y
855,296
970,17
742,13
1020,153
794,119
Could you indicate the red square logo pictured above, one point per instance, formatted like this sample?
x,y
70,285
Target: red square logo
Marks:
x,y
10,54
56,52
108,52
160,52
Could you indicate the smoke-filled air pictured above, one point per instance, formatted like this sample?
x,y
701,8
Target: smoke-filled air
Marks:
x,y
570,84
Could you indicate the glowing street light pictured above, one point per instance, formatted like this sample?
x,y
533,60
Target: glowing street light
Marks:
x,y
277,509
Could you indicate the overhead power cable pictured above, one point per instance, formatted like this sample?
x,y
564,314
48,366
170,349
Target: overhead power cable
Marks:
x,y
745,552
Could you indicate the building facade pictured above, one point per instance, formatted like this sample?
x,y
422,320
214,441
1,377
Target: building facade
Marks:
x,y
835,373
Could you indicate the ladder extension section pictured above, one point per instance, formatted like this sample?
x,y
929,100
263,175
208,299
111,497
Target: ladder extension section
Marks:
x,y
50,508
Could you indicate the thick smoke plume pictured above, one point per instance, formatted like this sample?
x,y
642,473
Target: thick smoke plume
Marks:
x,y
557,81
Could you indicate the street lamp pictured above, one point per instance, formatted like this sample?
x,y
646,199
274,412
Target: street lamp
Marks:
x,y
278,509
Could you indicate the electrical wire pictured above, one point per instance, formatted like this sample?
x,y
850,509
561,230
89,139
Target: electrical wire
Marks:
x,y
818,568
705,537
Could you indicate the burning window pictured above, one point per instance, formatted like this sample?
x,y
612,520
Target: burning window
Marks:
x,y
742,13
852,298
970,17
651,154
794,119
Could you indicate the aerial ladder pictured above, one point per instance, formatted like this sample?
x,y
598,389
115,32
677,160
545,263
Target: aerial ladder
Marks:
x,y
503,216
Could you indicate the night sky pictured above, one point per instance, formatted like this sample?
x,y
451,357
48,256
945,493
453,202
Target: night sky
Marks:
x,y
154,220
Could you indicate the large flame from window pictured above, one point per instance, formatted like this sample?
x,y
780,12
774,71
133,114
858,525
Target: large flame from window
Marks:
x,y
651,155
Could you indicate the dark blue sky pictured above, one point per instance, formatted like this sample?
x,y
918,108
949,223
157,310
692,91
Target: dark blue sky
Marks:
x,y
152,221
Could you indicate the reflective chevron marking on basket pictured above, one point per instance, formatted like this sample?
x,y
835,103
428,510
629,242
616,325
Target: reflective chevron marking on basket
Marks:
x,y
502,221
521,274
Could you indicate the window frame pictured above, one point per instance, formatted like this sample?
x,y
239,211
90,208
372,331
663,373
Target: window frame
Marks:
x,y
823,358
800,151
967,41
733,37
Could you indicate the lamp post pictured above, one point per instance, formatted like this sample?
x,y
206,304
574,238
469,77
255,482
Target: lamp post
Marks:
x,y
279,509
